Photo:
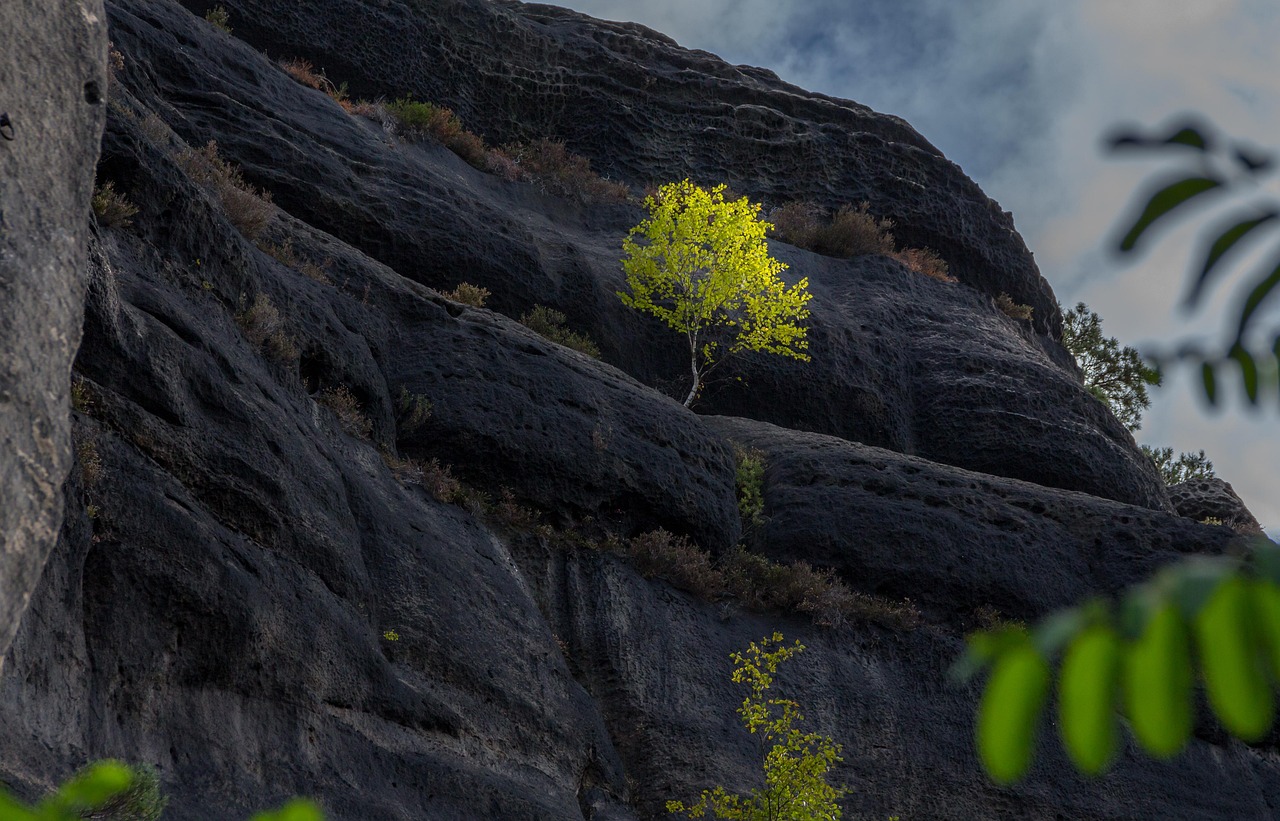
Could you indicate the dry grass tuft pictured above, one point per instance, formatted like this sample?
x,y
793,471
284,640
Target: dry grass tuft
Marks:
x,y
81,395
219,17
263,326
850,232
760,584
427,119
248,209
347,409
659,554
550,324
114,210
550,164
89,459
468,294
412,411
924,261
285,255
304,72
1011,309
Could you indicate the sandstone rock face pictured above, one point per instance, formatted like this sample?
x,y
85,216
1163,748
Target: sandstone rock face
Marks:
x,y
1202,499
952,540
53,87
645,110
898,360
265,603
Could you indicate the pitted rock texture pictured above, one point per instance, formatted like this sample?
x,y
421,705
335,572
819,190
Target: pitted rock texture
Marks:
x,y
645,110
53,83
1202,499
245,596
952,540
898,360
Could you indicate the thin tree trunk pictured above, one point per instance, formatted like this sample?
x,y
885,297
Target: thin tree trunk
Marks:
x,y
693,392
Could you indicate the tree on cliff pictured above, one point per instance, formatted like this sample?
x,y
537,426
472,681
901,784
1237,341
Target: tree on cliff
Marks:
x,y
796,763
1116,375
1186,467
700,264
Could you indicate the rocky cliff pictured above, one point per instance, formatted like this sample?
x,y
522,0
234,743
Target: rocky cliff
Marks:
x,y
268,583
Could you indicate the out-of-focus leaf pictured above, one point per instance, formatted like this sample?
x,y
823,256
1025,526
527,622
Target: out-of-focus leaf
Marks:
x,y
297,809
1248,371
1266,560
1164,201
1087,691
1194,581
1252,302
1184,135
983,647
1010,711
1210,382
1238,689
1158,682
1052,634
1251,161
1227,240
11,810
1266,607
89,790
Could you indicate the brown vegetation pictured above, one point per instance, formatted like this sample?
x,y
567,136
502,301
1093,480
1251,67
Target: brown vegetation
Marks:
x,y
347,409
551,165
1011,309
249,210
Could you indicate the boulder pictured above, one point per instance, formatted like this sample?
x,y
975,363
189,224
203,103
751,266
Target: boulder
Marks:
x,y
1206,499
53,86
952,540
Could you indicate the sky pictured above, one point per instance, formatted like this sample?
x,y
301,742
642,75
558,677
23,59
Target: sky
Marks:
x,y
1020,94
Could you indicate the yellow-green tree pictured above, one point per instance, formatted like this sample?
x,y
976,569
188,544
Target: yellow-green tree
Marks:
x,y
795,765
701,264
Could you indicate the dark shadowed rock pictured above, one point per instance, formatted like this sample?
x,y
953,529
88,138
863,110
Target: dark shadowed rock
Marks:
x,y
244,596
53,85
657,663
1202,499
644,109
899,361
952,540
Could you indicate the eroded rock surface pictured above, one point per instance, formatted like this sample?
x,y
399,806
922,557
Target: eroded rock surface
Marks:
x,y
644,110
1208,499
898,360
53,86
245,596
953,540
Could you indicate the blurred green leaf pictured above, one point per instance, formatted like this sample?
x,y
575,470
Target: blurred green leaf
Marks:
x,y
1210,382
1266,606
1087,692
11,810
1255,299
297,809
1010,711
1238,689
1158,681
1053,633
1227,240
1184,135
1248,371
1195,580
91,789
1266,560
1249,160
1164,201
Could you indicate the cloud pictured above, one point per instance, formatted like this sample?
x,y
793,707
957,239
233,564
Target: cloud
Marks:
x,y
1019,95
